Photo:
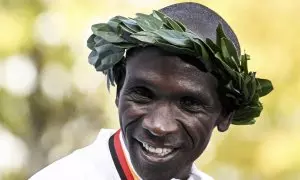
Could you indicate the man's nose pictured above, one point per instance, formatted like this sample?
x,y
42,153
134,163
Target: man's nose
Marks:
x,y
161,121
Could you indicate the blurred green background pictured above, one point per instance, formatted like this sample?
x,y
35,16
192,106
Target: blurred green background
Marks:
x,y
52,101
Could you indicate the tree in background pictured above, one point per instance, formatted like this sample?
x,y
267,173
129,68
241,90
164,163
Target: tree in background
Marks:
x,y
50,115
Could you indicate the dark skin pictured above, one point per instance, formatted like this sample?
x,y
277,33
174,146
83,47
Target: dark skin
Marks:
x,y
168,103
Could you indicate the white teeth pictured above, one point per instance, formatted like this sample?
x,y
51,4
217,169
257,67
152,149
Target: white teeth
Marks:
x,y
159,151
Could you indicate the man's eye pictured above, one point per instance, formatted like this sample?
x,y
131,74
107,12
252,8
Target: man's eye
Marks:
x,y
191,104
141,95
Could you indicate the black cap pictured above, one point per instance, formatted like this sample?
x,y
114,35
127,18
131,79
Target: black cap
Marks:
x,y
201,20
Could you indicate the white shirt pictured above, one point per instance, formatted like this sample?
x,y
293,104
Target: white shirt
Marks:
x,y
94,162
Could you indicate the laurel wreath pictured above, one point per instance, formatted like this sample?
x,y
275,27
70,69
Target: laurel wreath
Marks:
x,y
111,40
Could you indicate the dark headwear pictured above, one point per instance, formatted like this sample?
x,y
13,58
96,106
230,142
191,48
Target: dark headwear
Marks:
x,y
201,20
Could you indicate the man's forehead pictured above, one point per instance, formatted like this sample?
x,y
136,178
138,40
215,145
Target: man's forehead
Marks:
x,y
152,60
154,68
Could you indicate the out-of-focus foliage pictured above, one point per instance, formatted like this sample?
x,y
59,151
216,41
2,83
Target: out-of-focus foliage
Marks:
x,y
52,101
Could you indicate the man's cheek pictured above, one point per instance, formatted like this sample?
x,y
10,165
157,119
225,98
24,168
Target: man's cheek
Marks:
x,y
130,112
198,135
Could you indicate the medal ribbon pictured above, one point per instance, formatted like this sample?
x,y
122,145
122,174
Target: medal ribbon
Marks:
x,y
119,157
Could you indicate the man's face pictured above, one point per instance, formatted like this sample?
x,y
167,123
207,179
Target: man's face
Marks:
x,y
168,110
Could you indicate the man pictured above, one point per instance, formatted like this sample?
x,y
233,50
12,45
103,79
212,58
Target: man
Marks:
x,y
179,74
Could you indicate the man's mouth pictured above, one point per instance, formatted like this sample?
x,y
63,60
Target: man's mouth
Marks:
x,y
157,150
157,153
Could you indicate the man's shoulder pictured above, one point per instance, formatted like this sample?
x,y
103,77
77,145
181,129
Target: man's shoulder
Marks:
x,y
82,163
65,168
199,175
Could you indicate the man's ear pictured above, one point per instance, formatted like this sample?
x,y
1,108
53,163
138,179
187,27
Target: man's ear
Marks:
x,y
225,120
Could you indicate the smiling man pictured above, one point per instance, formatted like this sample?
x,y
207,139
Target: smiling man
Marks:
x,y
179,75
168,109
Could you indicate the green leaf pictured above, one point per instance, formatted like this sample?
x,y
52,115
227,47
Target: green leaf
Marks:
x,y
227,56
182,26
225,67
197,48
174,49
239,80
244,121
148,22
109,61
90,42
114,23
93,57
231,50
107,47
145,25
220,35
232,89
99,41
202,54
106,32
244,63
159,15
212,45
251,87
167,26
246,114
125,28
162,17
174,25
209,51
264,87
146,37
205,54
174,37
130,24
104,51
125,45
235,101
245,89
128,21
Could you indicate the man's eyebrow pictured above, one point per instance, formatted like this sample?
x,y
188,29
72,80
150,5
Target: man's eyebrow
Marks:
x,y
201,94
136,81
189,90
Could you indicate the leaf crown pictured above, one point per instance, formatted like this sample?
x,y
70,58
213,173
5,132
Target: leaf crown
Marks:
x,y
110,41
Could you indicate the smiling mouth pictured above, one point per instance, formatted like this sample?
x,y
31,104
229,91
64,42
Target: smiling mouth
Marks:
x,y
161,152
157,154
